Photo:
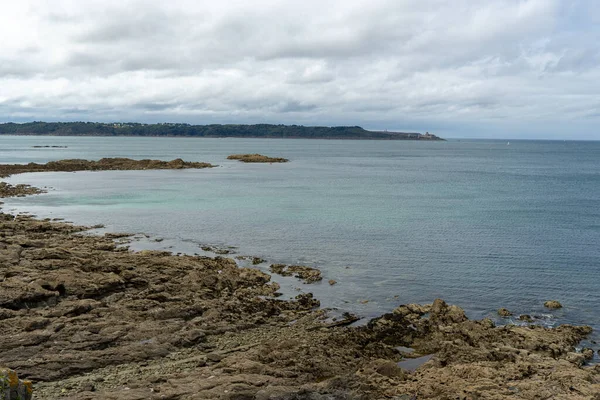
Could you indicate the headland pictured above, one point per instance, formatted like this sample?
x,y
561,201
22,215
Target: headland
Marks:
x,y
265,131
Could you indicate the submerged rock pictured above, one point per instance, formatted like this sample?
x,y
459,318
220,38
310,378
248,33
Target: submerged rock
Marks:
x,y
302,272
526,318
503,312
8,190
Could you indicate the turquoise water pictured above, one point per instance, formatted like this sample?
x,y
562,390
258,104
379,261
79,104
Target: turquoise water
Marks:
x,y
481,224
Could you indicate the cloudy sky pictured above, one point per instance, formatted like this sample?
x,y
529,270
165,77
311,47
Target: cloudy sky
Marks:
x,y
461,68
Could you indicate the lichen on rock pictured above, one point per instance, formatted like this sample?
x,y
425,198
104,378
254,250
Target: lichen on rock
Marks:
x,y
13,388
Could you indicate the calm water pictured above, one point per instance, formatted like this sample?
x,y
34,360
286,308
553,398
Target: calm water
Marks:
x,y
481,224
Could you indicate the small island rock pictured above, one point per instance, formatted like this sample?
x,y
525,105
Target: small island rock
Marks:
x,y
256,158
552,304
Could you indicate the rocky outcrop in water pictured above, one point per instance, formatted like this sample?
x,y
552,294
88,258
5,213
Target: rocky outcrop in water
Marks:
x,y
503,312
8,190
552,304
302,272
104,164
256,158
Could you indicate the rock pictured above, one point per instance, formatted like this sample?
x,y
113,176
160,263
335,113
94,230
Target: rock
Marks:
x,y
552,304
88,387
8,190
307,301
279,269
256,158
575,358
307,274
257,260
588,353
503,312
442,313
332,282
104,164
12,388
526,318
214,357
386,368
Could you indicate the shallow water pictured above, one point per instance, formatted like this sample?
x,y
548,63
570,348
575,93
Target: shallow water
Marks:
x,y
411,364
479,223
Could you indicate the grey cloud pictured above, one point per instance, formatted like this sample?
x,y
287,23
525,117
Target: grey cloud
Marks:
x,y
123,29
384,63
295,106
154,106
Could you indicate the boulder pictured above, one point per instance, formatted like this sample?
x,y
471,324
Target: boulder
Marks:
x,y
443,313
13,388
552,304
575,358
526,318
588,353
503,312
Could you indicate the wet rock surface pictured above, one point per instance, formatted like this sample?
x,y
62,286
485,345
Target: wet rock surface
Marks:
x,y
8,190
503,312
302,272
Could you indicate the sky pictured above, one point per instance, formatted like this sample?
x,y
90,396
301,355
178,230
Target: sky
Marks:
x,y
461,68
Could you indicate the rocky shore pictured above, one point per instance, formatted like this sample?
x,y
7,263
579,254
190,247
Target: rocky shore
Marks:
x,y
85,319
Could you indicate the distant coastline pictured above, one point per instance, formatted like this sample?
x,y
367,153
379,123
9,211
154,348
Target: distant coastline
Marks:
x,y
265,131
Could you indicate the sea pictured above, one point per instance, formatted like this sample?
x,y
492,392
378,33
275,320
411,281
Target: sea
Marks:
x,y
482,224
